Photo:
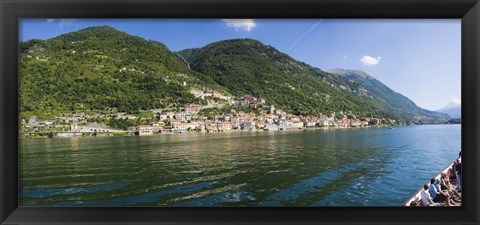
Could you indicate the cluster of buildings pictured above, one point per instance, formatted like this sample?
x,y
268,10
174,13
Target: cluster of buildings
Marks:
x,y
67,126
189,120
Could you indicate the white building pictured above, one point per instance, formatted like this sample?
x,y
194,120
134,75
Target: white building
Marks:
x,y
145,130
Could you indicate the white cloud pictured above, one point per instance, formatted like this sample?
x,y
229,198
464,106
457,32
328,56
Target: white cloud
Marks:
x,y
61,22
240,24
345,56
370,61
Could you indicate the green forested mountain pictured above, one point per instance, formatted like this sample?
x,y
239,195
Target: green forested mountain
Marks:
x,y
392,100
102,68
246,66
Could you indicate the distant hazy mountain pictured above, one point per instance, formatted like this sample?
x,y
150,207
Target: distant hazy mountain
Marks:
x,y
453,109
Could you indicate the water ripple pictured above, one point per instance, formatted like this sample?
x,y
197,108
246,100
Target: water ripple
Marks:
x,y
345,167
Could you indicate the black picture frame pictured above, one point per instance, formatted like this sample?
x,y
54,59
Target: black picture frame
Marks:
x,y
466,10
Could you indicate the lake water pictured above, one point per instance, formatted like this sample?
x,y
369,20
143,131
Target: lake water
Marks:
x,y
323,167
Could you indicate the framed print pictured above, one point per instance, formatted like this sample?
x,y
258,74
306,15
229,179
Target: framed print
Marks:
x,y
239,112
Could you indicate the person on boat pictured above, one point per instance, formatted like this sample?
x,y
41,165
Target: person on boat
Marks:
x,y
437,195
445,192
458,173
427,200
446,185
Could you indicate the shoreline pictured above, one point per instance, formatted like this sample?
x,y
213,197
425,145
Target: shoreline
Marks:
x,y
45,135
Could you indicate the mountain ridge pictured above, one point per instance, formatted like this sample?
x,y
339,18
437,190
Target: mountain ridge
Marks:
x,y
389,96
101,68
355,86
248,67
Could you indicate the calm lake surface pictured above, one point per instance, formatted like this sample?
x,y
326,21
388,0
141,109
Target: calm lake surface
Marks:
x,y
324,167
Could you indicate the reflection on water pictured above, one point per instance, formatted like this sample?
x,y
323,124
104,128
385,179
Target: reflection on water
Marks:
x,y
74,143
353,167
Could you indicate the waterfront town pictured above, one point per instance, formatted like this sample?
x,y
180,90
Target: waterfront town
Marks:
x,y
246,113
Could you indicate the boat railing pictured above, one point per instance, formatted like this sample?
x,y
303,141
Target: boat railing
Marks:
x,y
415,196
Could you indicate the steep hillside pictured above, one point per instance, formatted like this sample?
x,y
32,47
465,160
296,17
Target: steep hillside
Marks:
x,y
394,101
100,68
246,66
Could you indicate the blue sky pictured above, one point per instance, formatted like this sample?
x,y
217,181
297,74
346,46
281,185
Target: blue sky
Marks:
x,y
417,58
